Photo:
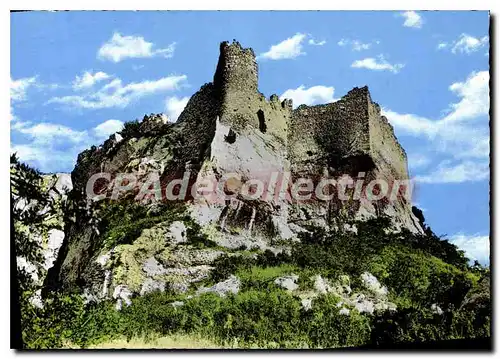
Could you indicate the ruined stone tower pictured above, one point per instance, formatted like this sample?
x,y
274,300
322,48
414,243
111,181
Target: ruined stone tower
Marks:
x,y
242,104
350,137
349,130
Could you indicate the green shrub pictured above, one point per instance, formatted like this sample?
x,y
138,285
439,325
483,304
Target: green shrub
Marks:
x,y
267,316
408,325
420,278
263,278
259,317
124,220
131,129
326,328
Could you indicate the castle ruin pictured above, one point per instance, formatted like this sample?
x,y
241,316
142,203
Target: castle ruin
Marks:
x,y
228,126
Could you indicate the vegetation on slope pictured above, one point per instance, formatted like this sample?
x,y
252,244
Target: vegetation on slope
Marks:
x,y
419,270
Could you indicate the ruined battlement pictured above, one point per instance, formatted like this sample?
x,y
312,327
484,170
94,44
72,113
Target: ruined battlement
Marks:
x,y
242,106
350,128
237,68
329,135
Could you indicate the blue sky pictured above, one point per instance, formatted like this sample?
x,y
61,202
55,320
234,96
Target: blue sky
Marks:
x,y
77,76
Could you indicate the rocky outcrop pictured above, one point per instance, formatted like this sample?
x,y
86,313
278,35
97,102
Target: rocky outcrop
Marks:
x,y
231,285
288,282
371,298
231,133
55,188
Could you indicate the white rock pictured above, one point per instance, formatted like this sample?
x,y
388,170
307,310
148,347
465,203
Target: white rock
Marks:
x,y
105,285
177,304
104,258
230,285
55,241
36,299
179,287
287,282
306,304
280,224
436,309
372,284
29,267
344,311
64,183
88,297
321,285
151,285
177,232
365,306
164,118
21,204
350,228
122,294
152,267
205,213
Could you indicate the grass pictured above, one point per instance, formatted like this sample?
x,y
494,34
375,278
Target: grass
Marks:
x,y
174,341
258,277
179,341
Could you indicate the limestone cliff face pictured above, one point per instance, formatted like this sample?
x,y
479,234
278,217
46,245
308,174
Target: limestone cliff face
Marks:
x,y
228,126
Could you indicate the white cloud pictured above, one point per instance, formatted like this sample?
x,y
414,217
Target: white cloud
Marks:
x,y
174,106
412,19
120,47
468,44
418,160
19,88
49,132
474,102
359,46
316,43
475,99
460,140
42,157
479,147
53,147
381,64
287,49
476,247
461,134
411,123
343,42
356,45
467,171
115,94
442,45
310,96
107,128
87,79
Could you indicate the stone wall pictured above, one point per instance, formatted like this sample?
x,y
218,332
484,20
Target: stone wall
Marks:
x,y
330,134
345,134
384,146
196,123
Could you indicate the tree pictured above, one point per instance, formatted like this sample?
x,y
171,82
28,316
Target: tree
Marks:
x,y
31,207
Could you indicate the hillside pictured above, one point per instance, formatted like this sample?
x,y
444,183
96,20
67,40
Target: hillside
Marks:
x,y
247,221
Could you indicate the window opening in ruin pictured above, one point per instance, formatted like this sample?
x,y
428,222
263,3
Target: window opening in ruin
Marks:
x,y
231,136
262,121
